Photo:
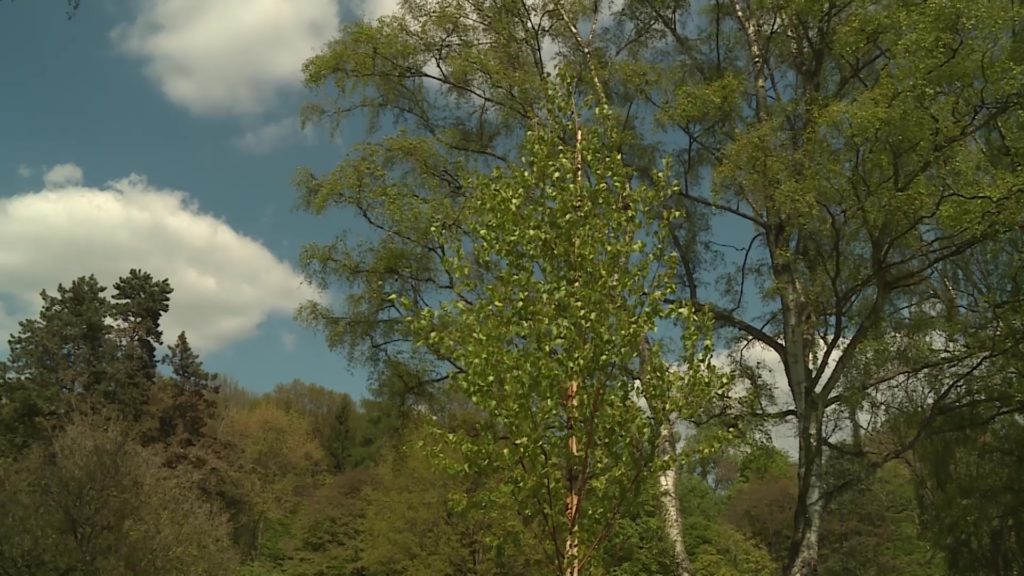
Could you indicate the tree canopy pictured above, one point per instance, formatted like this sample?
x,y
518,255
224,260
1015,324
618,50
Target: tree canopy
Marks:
x,y
838,168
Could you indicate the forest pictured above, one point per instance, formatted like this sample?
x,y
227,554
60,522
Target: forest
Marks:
x,y
119,462
649,287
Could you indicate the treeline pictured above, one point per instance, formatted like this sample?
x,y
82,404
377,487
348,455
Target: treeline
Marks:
x,y
117,462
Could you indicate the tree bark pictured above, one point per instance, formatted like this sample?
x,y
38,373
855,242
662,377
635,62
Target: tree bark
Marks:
x,y
670,502
571,566
803,553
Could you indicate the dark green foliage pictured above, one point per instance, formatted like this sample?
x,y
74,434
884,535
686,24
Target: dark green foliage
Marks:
x,y
139,303
183,403
59,362
422,519
337,423
972,504
876,529
88,353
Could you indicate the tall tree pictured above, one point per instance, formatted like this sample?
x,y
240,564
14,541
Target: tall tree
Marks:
x,y
140,302
58,362
190,389
839,164
552,338
83,352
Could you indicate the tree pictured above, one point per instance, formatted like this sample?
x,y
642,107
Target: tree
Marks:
x,y
425,519
272,460
876,528
140,302
94,502
761,507
183,403
58,361
854,155
337,422
83,353
552,338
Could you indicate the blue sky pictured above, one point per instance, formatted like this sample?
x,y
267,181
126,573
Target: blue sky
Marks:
x,y
163,135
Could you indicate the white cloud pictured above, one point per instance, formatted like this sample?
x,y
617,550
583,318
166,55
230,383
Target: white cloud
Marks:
x,y
272,136
63,176
225,284
24,170
373,9
231,57
288,340
768,366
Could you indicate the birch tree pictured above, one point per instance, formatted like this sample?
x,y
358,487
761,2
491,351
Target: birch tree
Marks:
x,y
562,280
838,166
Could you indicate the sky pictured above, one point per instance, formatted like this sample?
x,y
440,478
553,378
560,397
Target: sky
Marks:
x,y
163,135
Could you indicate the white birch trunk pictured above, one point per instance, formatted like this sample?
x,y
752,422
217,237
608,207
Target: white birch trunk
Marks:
x,y
811,504
670,502
806,560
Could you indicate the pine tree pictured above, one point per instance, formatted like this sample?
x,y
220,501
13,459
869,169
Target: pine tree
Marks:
x,y
58,362
83,353
139,304
191,387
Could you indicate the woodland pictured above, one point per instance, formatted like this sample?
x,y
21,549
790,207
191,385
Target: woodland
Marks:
x,y
650,287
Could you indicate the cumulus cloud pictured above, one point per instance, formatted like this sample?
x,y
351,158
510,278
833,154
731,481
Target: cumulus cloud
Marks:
x,y
225,283
272,136
63,176
231,57
24,170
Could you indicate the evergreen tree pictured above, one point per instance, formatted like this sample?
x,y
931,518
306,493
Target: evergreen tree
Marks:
x,y
190,389
83,353
140,302
59,362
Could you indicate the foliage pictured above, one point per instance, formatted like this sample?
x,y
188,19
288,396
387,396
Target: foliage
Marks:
x,y
762,508
876,529
95,502
971,503
338,425
839,166
553,327
183,404
84,352
422,519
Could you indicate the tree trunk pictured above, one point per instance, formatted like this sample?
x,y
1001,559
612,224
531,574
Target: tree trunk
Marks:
x,y
803,553
572,554
670,503
571,566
